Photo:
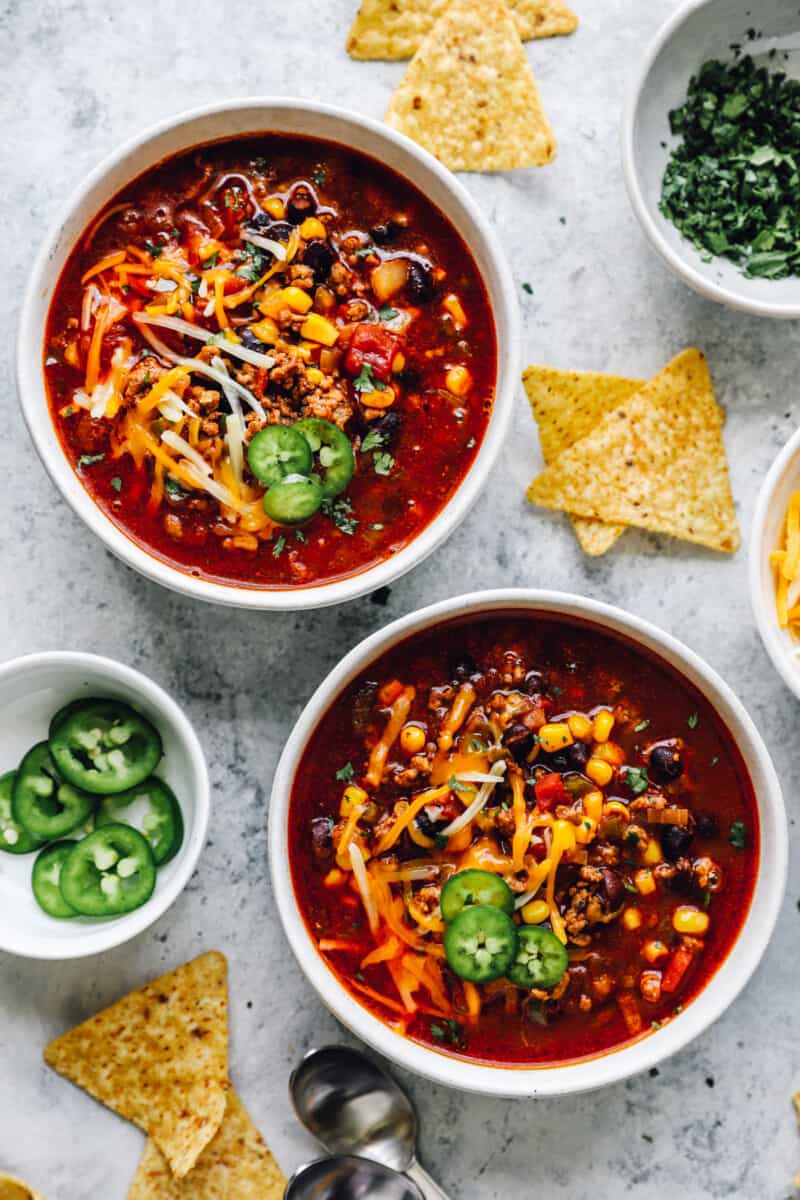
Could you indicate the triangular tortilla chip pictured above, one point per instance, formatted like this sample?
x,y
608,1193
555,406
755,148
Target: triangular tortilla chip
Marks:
x,y
235,1165
159,1057
15,1189
657,461
391,29
469,95
567,405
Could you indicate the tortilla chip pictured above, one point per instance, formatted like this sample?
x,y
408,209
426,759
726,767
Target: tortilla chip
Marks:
x,y
391,29
15,1189
469,95
159,1057
567,405
658,461
235,1165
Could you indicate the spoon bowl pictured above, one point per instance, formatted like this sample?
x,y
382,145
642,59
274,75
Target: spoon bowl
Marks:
x,y
345,1177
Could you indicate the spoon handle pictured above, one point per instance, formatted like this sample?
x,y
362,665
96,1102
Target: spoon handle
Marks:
x,y
429,1188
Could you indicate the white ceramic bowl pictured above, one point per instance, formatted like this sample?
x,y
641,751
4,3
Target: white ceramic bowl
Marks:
x,y
766,533
721,989
32,689
697,31
227,120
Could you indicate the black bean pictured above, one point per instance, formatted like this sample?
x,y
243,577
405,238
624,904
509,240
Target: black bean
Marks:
x,y
461,666
301,204
430,820
520,742
707,825
249,339
579,754
320,256
321,830
535,683
420,284
675,841
385,231
279,231
388,426
613,886
557,762
665,763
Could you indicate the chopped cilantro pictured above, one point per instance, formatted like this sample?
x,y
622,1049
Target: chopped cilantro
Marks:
x,y
732,185
629,887
455,785
556,690
440,841
88,460
154,249
173,488
364,251
636,779
692,721
210,262
365,382
372,441
449,1031
341,513
640,726
116,483
319,176
737,835
300,537
346,772
279,547
387,313
632,836
382,463
217,338
526,287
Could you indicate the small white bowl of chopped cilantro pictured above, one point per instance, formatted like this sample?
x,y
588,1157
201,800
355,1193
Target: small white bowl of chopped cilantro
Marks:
x,y
711,143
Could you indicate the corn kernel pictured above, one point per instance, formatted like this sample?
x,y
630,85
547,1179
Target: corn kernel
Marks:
x,y
312,227
298,300
652,855
334,878
585,831
603,724
555,736
616,808
266,331
688,919
645,883
654,950
535,911
458,380
314,375
275,207
593,805
454,306
564,835
319,329
412,738
599,772
398,362
580,726
352,796
610,752
632,919
381,398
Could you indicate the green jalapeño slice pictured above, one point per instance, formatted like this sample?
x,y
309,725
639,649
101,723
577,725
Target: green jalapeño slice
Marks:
x,y
277,451
333,450
13,838
480,943
46,879
150,807
43,802
467,888
103,746
540,960
112,871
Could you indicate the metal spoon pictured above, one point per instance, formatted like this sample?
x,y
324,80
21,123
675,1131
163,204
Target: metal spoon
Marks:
x,y
352,1106
344,1177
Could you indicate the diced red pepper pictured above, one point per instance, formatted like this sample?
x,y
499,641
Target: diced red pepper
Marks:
x,y
629,1008
550,791
676,968
373,345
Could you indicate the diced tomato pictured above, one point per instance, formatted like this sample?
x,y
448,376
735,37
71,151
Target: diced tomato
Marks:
x,y
373,345
677,967
550,791
626,1002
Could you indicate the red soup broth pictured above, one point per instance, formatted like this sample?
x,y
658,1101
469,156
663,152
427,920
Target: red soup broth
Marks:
x,y
564,667
406,365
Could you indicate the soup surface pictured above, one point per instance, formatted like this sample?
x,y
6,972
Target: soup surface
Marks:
x,y
523,840
261,282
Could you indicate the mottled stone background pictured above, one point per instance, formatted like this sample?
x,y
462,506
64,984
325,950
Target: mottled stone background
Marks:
x,y
78,77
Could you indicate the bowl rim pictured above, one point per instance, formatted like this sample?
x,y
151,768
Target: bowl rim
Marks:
x,y
616,1065
761,602
113,933
505,312
690,274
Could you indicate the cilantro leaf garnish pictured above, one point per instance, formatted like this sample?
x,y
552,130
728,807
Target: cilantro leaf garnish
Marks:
x,y
211,261
692,721
88,460
372,441
382,463
346,772
636,779
153,249
341,513
365,381
387,313
279,547
737,835
116,483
